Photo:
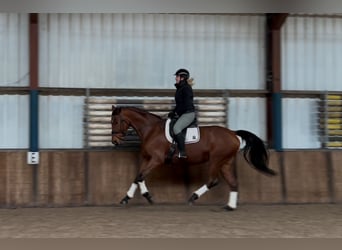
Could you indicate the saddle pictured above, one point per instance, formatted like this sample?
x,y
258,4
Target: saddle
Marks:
x,y
192,135
192,132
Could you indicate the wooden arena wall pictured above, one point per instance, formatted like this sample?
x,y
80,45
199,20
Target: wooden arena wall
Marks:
x,y
80,178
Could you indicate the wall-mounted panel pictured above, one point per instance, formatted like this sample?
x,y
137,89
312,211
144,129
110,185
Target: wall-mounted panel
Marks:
x,y
61,178
16,182
145,50
256,187
336,176
306,177
76,178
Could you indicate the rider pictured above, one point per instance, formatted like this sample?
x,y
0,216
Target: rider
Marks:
x,y
185,108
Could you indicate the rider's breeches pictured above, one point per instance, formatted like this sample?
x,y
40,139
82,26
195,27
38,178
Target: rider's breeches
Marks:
x,y
183,121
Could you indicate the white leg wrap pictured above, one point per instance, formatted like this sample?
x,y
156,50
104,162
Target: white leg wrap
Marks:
x,y
142,186
202,190
131,190
233,196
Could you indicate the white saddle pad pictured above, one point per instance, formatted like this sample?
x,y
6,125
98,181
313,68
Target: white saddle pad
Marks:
x,y
192,134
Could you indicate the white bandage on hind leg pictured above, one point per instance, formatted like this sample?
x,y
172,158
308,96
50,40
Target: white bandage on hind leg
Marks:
x,y
143,188
131,190
233,196
202,190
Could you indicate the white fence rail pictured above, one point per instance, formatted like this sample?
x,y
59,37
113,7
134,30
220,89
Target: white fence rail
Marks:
x,y
97,120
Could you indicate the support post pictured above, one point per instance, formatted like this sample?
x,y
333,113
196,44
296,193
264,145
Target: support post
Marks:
x,y
33,154
273,79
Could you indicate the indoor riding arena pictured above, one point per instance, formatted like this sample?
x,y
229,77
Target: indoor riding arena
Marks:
x,y
274,75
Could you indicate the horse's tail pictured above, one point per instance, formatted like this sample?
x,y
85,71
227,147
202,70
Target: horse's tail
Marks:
x,y
255,151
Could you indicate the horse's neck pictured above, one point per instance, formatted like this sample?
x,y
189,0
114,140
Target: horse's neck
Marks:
x,y
141,122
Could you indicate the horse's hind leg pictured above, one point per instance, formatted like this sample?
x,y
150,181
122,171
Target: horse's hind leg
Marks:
x,y
202,190
213,181
229,174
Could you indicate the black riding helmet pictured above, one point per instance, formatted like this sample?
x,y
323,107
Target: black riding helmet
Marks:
x,y
183,73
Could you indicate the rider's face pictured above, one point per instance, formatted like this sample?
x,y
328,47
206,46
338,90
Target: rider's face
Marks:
x,y
178,78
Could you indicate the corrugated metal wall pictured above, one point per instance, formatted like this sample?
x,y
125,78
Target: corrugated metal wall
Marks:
x,y
14,50
300,126
61,121
311,60
312,53
14,125
248,114
144,50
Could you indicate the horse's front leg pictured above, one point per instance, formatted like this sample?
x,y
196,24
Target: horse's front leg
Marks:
x,y
130,193
139,181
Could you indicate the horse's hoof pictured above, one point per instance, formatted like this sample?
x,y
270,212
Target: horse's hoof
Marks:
x,y
228,208
148,198
192,199
124,201
150,201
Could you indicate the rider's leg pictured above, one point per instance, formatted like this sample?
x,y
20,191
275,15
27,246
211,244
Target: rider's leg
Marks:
x,y
180,139
182,122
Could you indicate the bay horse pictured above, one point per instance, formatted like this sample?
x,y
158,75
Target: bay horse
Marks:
x,y
218,146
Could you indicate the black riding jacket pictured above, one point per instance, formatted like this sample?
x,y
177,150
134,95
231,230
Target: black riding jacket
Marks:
x,y
184,98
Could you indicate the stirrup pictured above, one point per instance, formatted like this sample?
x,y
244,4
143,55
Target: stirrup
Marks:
x,y
182,155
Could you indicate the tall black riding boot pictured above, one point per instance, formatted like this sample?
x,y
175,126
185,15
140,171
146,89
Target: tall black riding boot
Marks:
x,y
180,139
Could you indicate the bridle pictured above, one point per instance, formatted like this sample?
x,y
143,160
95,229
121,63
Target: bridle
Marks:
x,y
121,130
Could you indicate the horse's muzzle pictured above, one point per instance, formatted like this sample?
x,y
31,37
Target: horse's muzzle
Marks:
x,y
115,141
117,138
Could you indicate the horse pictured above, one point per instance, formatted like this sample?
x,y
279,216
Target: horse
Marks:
x,y
218,146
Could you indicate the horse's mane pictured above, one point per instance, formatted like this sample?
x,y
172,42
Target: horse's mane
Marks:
x,y
143,111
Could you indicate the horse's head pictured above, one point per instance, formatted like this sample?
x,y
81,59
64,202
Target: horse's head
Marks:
x,y
119,125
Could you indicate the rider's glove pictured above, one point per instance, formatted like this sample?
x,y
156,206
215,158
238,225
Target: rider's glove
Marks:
x,y
171,114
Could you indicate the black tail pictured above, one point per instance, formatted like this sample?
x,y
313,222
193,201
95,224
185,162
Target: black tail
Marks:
x,y
255,151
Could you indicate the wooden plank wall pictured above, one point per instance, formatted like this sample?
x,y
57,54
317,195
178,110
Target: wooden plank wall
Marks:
x,y
79,178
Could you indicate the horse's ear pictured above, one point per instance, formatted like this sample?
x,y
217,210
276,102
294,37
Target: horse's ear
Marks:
x,y
116,110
